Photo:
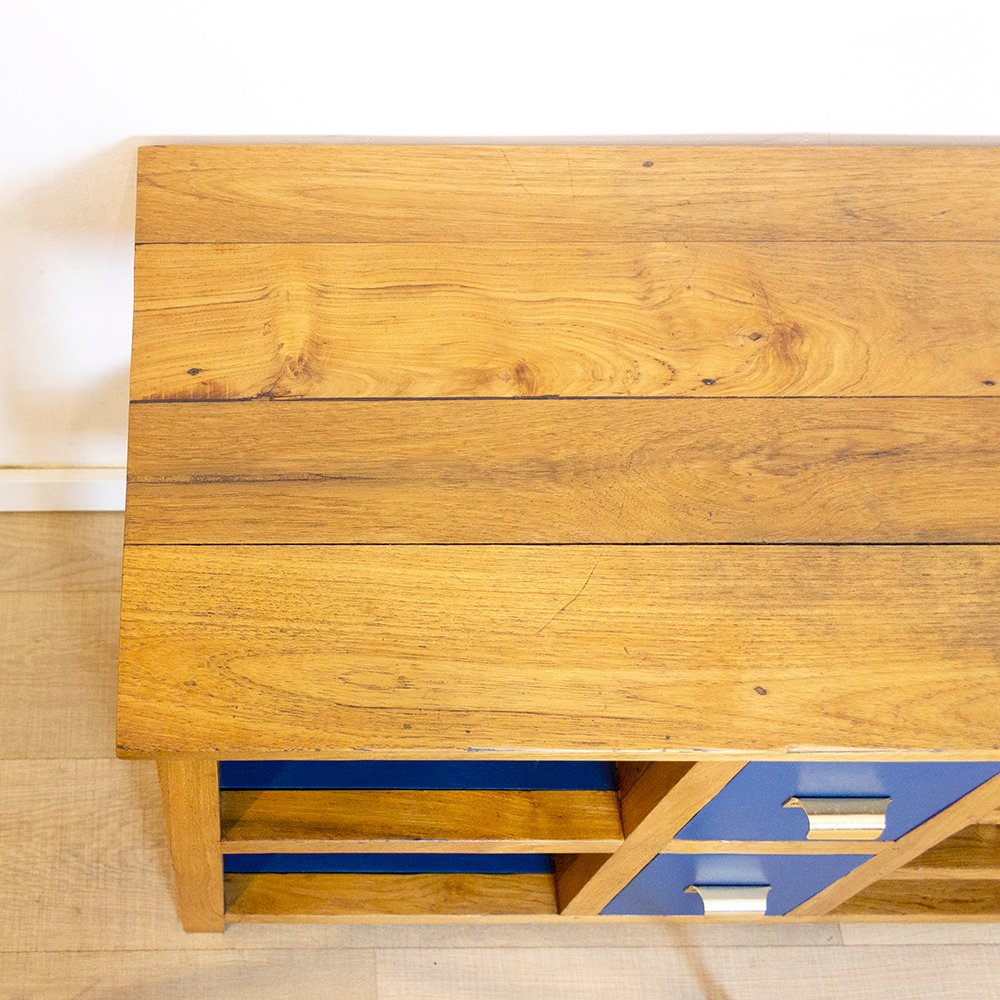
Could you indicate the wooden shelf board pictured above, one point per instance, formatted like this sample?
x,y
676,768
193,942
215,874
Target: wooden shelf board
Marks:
x,y
306,896
774,847
409,820
972,853
924,899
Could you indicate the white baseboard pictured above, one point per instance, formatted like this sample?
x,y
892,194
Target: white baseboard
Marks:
x,y
26,488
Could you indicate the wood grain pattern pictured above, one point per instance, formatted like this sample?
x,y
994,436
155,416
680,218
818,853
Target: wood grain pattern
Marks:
x,y
397,820
610,652
286,321
680,972
462,194
967,810
315,896
190,790
636,471
59,551
971,853
289,973
927,899
663,798
292,282
773,847
57,672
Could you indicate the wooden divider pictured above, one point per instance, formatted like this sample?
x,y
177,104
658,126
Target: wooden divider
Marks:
x,y
656,803
848,895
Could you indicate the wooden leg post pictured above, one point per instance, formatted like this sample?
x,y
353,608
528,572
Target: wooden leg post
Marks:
x,y
190,790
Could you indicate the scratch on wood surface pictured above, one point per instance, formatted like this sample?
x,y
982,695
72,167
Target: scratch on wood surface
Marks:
x,y
513,171
577,595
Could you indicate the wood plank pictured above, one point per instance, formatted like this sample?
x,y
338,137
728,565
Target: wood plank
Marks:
x,y
873,652
629,772
927,899
461,194
967,810
545,471
972,853
272,974
263,898
190,790
664,797
681,972
288,321
774,847
62,551
868,933
365,820
58,651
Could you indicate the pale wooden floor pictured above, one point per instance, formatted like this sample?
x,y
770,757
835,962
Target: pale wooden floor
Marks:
x,y
85,894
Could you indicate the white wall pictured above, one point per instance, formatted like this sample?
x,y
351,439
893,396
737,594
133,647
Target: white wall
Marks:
x,y
81,85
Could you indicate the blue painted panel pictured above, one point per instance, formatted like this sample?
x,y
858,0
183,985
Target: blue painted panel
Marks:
x,y
496,774
750,806
490,864
658,890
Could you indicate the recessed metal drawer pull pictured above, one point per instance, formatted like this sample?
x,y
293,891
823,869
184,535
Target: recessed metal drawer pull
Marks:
x,y
731,899
842,818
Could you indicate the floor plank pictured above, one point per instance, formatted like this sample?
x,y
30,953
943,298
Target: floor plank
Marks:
x,y
60,550
57,673
863,933
180,975
681,973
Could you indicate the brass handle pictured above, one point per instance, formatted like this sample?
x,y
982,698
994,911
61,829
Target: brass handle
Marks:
x,y
732,899
842,818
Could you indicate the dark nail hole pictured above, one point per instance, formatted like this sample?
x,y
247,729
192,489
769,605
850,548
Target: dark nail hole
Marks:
x,y
648,163
194,371
760,690
756,336
988,381
708,381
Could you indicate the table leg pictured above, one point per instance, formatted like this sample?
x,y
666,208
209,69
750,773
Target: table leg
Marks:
x,y
190,790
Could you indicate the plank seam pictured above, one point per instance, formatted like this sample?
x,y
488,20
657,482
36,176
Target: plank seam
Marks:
x,y
264,398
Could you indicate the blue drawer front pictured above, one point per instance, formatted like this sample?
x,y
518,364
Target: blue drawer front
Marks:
x,y
493,774
658,890
397,864
750,806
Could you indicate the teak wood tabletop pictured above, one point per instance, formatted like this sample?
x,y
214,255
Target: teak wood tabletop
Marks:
x,y
431,450
562,452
